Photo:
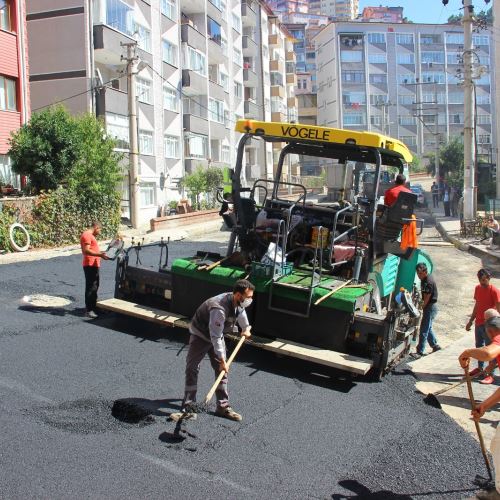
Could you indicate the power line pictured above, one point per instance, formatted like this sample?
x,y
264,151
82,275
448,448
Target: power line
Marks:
x,y
78,95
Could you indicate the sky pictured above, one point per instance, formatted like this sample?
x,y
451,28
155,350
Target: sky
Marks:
x,y
426,11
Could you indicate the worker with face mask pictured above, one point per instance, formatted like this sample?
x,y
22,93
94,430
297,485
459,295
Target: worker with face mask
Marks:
x,y
213,318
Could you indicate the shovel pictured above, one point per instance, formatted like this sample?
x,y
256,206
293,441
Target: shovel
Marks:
x,y
478,428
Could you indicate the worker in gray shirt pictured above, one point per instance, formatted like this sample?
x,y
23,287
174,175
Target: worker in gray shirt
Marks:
x,y
216,316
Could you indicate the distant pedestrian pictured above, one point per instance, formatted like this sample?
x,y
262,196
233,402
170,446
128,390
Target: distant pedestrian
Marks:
x,y
486,296
446,202
455,196
482,354
91,262
435,194
429,292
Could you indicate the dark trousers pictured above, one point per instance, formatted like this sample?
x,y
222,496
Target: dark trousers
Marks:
x,y
446,208
435,200
91,286
197,350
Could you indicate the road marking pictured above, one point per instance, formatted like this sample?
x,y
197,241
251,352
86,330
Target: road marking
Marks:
x,y
180,471
22,389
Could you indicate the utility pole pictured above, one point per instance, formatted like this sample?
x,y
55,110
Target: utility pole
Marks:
x,y
436,136
469,153
132,61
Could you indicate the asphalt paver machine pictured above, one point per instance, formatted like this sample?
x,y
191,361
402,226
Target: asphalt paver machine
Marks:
x,y
333,284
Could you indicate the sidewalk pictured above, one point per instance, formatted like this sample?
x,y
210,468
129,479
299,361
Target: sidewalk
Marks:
x,y
143,234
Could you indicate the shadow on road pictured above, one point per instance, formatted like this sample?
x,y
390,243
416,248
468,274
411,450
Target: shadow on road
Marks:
x,y
362,492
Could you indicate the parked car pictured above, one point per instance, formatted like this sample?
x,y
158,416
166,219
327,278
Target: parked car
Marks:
x,y
417,189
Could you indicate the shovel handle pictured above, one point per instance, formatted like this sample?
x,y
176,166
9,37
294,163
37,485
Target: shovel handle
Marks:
x,y
478,428
331,292
222,373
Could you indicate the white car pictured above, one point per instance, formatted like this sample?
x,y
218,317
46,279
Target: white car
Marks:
x,y
420,195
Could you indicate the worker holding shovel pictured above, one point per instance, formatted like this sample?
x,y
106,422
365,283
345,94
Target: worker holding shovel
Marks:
x,y
487,353
216,316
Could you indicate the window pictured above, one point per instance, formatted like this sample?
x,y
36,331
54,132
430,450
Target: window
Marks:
x,y
170,100
168,9
484,119
481,99
237,56
432,57
354,98
6,173
216,3
404,38
484,80
214,31
196,61
238,90
433,97
376,37
224,81
378,78
117,127
236,22
144,93
376,120
455,38
148,194
169,52
405,58
409,140
354,119
454,58
433,77
215,150
351,56
407,120
376,99
377,58
457,118
353,77
226,154
8,94
195,146
119,16
406,99
480,40
145,142
484,139
171,146
5,15
429,39
193,106
143,37
216,110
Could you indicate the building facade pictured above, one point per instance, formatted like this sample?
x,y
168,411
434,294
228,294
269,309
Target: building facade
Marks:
x,y
203,64
14,88
403,80
346,10
382,14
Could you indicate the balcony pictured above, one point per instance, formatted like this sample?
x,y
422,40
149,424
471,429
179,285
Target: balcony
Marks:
x,y
192,37
215,53
250,48
277,65
192,164
251,110
274,40
292,102
291,79
248,15
278,117
193,83
195,124
278,91
250,78
290,56
218,130
192,6
107,48
112,101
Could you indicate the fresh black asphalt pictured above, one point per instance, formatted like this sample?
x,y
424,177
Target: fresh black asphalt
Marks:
x,y
307,432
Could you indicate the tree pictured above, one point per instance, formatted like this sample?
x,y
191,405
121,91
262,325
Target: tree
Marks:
x,y
195,184
455,19
451,159
46,148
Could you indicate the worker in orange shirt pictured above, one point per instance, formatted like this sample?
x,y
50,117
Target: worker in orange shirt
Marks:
x,y
391,195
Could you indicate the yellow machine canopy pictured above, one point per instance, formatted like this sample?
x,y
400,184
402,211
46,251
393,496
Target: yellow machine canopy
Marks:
x,y
296,132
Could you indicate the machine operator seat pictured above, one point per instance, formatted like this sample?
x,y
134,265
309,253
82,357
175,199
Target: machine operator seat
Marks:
x,y
249,210
391,221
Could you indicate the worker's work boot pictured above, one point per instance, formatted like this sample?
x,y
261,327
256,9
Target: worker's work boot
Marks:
x,y
488,495
228,413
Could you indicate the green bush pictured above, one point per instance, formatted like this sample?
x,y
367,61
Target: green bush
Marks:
x,y
7,218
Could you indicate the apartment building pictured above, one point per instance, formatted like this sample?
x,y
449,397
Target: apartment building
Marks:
x,y
382,14
203,64
403,80
346,10
496,141
14,91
